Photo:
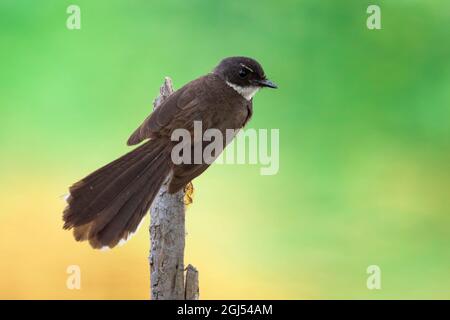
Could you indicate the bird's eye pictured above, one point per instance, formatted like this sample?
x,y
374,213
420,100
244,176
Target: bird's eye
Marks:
x,y
243,73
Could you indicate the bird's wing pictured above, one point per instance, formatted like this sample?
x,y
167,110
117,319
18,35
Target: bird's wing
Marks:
x,y
179,105
194,102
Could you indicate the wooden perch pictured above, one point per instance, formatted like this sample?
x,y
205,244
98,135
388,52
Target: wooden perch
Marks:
x,y
167,238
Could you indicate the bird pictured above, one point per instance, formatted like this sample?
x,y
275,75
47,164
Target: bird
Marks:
x,y
106,207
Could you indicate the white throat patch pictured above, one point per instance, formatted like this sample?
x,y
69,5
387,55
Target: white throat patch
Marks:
x,y
246,92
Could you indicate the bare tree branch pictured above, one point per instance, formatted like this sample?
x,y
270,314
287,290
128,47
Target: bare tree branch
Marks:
x,y
167,237
192,291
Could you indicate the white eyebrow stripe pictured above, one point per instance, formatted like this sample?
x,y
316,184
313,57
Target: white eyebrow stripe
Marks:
x,y
247,67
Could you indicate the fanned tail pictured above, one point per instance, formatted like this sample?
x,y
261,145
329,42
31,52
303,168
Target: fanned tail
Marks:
x,y
107,206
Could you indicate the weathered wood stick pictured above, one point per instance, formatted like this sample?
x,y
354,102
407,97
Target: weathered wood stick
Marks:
x,y
167,238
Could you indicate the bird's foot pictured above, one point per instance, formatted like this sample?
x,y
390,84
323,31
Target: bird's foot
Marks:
x,y
188,193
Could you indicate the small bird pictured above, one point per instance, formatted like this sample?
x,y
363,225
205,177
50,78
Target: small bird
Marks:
x,y
107,206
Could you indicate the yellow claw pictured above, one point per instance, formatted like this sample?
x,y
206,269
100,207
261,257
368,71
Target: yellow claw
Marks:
x,y
188,194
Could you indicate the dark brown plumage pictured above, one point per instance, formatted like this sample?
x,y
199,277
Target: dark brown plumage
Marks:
x,y
108,205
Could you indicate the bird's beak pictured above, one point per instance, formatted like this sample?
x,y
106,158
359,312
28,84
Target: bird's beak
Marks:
x,y
267,83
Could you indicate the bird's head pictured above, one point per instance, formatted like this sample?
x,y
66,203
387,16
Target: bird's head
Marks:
x,y
245,75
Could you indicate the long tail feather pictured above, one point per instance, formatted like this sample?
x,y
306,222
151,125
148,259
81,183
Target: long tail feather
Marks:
x,y
108,205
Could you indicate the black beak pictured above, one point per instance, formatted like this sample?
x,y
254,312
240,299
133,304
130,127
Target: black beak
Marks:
x,y
266,83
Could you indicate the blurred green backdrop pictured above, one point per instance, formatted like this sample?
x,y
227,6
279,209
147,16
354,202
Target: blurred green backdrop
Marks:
x,y
364,135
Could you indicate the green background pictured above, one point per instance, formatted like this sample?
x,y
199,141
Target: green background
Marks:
x,y
363,116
